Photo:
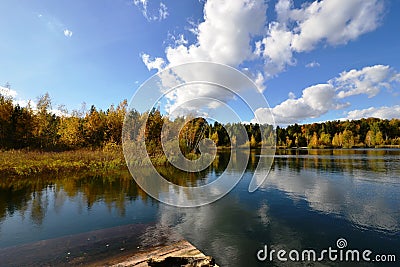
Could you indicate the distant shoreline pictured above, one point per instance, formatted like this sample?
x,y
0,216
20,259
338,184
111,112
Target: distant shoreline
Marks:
x,y
222,148
342,148
23,163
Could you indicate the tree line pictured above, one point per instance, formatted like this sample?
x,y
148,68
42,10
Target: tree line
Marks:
x,y
41,129
369,132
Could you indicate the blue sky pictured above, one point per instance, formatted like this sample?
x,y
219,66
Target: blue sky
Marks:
x,y
314,61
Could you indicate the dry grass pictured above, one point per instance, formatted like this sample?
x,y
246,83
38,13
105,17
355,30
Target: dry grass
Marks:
x,y
24,163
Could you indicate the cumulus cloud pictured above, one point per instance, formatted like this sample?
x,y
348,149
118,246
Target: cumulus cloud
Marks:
x,y
222,85
319,99
158,14
315,101
224,37
369,81
277,49
68,33
225,34
375,112
302,29
336,22
237,32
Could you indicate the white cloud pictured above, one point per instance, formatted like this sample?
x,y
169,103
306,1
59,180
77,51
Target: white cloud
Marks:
x,y
369,81
158,14
237,33
25,103
291,95
319,99
259,81
193,28
302,29
277,49
375,112
162,12
142,5
313,64
315,101
68,33
336,22
225,35
7,92
176,40
328,195
181,40
157,63
12,94
282,9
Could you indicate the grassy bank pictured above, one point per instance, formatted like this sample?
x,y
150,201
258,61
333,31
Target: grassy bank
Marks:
x,y
24,163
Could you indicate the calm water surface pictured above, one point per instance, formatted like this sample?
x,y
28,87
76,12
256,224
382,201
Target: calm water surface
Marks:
x,y
309,200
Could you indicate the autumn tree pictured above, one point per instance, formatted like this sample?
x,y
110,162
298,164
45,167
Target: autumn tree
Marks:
x,y
6,111
94,127
22,125
114,122
348,139
379,138
45,124
314,141
215,138
370,138
70,131
325,139
153,132
191,134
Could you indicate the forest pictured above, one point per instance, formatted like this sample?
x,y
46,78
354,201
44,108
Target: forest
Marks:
x,y
39,129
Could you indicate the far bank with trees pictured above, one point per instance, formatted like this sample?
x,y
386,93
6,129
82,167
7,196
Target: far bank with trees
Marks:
x,y
40,129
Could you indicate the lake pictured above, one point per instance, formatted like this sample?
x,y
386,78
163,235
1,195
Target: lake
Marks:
x,y
310,199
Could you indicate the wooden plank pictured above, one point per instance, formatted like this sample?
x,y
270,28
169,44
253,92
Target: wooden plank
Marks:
x,y
177,254
127,245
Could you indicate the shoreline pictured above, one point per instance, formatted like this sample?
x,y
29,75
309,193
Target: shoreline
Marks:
x,y
22,163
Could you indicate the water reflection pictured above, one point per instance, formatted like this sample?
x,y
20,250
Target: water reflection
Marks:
x,y
363,186
310,199
32,194
341,160
306,202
